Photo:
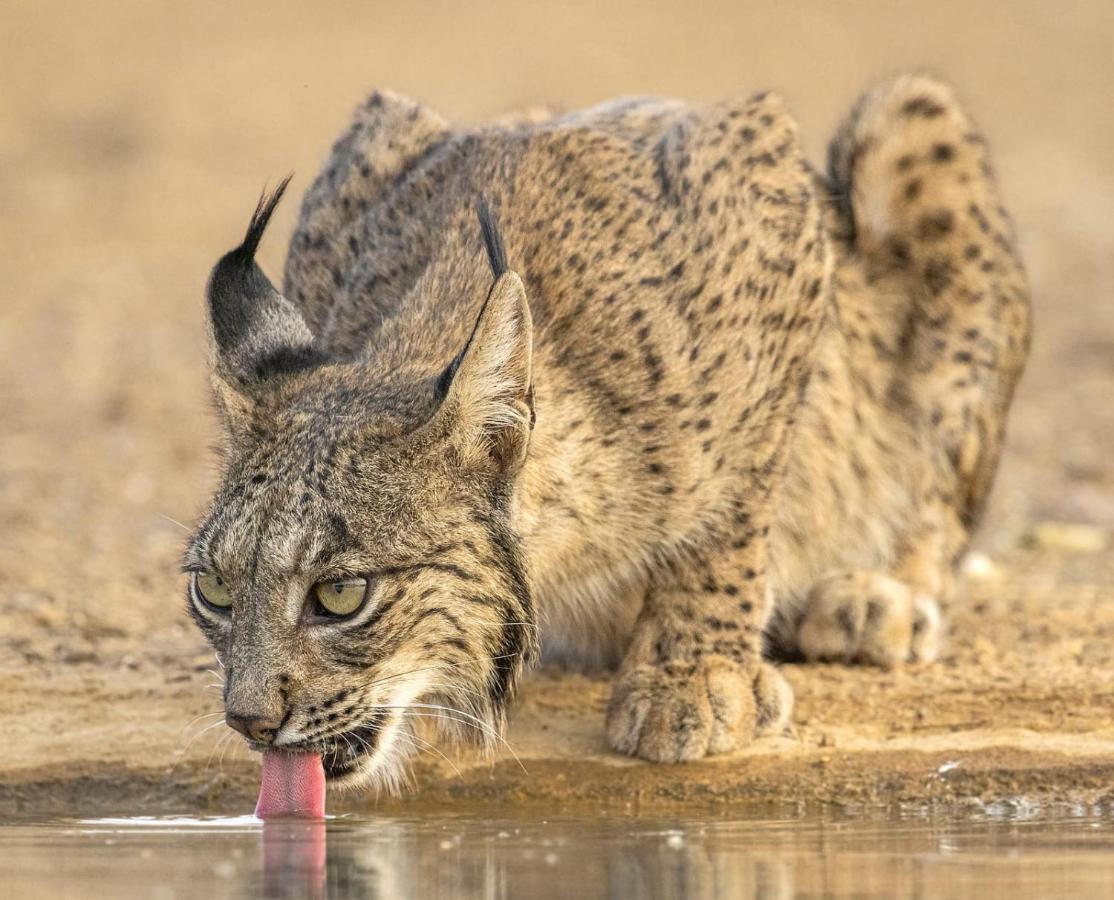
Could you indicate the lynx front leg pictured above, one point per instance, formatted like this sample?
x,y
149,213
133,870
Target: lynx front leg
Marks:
x,y
693,681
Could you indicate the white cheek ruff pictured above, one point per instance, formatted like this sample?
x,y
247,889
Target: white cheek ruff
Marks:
x,y
385,768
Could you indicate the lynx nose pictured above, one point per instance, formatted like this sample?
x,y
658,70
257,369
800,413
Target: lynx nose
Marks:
x,y
255,728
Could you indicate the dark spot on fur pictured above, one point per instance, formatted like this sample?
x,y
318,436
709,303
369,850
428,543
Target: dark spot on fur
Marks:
x,y
943,153
935,225
922,106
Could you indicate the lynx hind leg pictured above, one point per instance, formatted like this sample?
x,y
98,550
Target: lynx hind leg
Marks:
x,y
916,179
869,617
388,134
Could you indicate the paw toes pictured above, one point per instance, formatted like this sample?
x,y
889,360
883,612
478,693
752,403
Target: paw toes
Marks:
x,y
717,708
658,718
887,628
733,708
925,645
676,730
773,700
870,618
624,724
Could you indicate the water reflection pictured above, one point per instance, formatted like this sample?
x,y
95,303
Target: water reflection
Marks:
x,y
294,859
995,852
623,857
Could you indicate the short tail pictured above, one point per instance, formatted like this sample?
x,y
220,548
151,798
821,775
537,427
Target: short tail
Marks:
x,y
913,176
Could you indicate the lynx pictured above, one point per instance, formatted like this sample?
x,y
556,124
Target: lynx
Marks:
x,y
633,387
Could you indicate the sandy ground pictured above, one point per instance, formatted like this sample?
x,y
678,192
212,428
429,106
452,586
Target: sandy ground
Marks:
x,y
134,138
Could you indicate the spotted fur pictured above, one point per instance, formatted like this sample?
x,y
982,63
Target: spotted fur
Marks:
x,y
716,402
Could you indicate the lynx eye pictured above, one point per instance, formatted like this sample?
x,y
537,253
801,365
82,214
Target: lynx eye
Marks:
x,y
341,597
212,590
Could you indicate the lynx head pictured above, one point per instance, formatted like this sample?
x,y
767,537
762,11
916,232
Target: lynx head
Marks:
x,y
357,574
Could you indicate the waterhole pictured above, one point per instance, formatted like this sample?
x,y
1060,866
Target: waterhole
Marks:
x,y
1013,849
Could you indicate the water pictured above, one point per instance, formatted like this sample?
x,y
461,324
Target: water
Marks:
x,y
1014,850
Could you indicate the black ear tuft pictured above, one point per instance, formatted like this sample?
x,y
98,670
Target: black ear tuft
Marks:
x,y
259,219
256,332
493,239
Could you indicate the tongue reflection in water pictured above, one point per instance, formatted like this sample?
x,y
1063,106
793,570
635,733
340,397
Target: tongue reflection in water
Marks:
x,y
293,858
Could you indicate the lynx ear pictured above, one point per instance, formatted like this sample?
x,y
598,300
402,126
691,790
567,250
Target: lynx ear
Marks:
x,y
254,332
489,391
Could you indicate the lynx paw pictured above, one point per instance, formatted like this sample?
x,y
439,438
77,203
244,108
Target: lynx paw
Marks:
x,y
678,712
868,617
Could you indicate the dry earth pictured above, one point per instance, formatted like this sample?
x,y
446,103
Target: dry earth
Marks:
x,y
134,138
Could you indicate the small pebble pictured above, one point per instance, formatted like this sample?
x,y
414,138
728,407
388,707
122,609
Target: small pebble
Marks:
x,y
1069,536
980,567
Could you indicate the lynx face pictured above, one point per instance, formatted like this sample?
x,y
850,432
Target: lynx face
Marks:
x,y
357,574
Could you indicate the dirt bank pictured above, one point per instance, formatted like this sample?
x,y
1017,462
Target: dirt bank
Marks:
x,y
133,145
1019,706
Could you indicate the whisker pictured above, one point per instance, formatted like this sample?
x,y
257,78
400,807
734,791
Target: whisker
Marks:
x,y
236,745
387,678
425,745
184,528
200,717
213,749
469,719
181,753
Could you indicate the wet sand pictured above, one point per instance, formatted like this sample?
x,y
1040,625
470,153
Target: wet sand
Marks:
x,y
133,143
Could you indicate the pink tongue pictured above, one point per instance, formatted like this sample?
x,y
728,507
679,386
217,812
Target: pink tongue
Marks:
x,y
293,785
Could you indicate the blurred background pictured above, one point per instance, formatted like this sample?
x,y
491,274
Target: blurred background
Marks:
x,y
135,137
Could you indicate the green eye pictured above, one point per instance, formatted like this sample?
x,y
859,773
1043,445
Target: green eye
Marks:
x,y
212,590
341,597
